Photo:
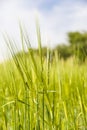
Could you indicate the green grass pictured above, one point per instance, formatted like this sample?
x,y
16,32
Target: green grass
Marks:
x,y
39,94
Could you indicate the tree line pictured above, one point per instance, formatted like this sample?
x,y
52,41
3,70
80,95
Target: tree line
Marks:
x,y
76,46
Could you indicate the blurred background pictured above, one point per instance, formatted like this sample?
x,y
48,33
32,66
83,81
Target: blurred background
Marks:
x,y
63,25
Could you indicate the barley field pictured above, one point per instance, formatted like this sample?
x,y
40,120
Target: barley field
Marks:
x,y
37,93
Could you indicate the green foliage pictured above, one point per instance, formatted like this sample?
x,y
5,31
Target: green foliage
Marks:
x,y
77,46
37,93
65,102
64,51
78,42
75,38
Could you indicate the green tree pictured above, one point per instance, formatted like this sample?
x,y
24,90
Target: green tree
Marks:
x,y
64,51
78,42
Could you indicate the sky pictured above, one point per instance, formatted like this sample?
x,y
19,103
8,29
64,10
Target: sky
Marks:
x,y
56,19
